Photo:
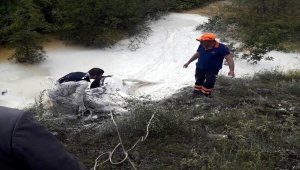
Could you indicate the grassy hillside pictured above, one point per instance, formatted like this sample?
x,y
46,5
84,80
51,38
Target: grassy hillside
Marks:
x,y
249,123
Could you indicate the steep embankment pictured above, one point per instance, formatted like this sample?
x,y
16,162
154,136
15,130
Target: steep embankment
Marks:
x,y
249,123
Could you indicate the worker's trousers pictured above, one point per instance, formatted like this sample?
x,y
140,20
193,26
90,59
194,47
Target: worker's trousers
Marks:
x,y
205,80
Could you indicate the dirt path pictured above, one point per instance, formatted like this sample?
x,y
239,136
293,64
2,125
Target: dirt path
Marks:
x,y
209,10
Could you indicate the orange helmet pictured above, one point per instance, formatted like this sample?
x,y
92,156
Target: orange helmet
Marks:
x,y
206,36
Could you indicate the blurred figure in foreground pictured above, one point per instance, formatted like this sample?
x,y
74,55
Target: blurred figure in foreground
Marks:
x,y
26,145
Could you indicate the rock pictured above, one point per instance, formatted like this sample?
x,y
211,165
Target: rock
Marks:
x,y
3,92
217,136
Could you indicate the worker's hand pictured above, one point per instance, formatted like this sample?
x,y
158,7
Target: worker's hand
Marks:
x,y
186,65
231,73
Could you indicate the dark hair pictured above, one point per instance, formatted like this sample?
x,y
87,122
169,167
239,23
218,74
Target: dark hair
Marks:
x,y
96,72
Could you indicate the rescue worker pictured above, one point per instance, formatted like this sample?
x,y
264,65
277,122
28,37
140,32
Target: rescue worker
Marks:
x,y
210,55
27,145
71,89
94,73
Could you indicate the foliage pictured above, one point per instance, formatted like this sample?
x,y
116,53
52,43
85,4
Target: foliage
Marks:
x,y
38,108
102,23
184,5
23,33
6,8
96,23
260,25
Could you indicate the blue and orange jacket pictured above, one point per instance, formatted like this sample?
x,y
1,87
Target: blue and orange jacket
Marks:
x,y
212,58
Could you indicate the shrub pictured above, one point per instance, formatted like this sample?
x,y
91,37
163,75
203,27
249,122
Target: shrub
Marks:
x,y
260,26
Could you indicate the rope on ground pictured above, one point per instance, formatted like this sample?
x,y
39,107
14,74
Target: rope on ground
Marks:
x,y
121,142
96,160
141,139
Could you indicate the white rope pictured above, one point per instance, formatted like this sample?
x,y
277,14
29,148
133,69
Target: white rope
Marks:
x,y
141,139
120,139
96,161
111,154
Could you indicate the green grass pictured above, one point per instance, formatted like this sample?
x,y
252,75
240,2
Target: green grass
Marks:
x,y
259,115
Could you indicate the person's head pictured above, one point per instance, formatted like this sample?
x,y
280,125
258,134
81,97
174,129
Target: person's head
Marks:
x,y
95,73
208,40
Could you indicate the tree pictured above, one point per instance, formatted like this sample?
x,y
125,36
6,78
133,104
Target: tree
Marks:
x,y
95,23
260,25
24,33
